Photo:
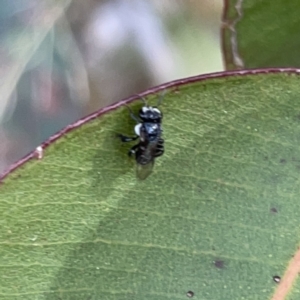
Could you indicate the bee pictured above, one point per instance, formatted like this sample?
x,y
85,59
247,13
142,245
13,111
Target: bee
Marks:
x,y
149,131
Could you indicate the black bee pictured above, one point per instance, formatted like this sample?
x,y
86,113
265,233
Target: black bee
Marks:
x,y
148,129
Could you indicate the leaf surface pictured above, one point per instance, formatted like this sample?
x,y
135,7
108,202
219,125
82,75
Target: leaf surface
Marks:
x,y
260,34
219,215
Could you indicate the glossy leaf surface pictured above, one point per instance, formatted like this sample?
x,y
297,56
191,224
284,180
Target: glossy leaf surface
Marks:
x,y
219,216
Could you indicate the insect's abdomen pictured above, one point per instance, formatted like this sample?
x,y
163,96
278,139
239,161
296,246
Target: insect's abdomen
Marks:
x,y
146,152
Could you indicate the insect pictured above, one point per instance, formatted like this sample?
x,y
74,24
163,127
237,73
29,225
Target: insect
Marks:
x,y
148,130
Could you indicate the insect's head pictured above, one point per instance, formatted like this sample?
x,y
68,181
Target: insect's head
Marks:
x,y
150,114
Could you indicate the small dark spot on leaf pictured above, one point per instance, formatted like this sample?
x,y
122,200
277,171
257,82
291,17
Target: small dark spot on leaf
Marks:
x,y
213,249
298,117
219,264
282,161
190,294
273,210
276,278
266,158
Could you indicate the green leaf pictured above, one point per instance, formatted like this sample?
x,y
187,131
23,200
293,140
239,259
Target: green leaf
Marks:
x,y
259,34
219,216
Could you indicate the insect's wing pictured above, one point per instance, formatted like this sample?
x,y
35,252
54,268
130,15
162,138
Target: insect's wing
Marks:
x,y
143,171
145,157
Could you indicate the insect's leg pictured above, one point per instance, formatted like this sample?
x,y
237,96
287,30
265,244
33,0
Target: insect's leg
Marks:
x,y
126,138
133,150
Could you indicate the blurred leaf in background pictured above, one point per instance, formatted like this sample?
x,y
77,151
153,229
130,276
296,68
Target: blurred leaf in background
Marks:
x,y
63,59
259,35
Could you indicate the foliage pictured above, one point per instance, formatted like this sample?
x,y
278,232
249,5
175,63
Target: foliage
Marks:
x,y
219,216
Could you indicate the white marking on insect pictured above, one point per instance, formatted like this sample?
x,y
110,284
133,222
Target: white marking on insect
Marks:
x,y
145,109
137,129
39,153
157,110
